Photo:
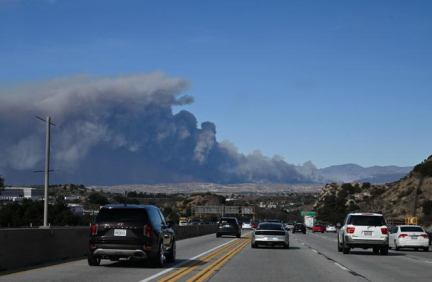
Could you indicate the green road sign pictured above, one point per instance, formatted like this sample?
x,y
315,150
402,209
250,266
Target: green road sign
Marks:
x,y
308,213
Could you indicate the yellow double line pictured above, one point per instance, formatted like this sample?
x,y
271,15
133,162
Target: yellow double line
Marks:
x,y
206,272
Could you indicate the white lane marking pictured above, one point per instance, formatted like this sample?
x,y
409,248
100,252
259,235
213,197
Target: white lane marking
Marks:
x,y
314,251
340,266
428,261
186,261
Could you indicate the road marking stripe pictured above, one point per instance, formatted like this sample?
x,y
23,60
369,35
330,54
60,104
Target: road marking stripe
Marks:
x,y
340,266
187,261
314,251
189,268
209,270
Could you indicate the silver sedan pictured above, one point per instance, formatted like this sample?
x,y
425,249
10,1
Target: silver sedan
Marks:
x,y
270,234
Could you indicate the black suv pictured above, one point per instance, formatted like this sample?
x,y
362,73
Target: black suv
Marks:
x,y
228,226
299,227
131,231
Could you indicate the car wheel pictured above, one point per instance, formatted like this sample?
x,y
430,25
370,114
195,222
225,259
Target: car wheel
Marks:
x,y
384,251
254,246
93,260
376,250
416,249
286,246
158,260
426,249
304,232
313,231
293,232
345,249
171,257
238,235
217,235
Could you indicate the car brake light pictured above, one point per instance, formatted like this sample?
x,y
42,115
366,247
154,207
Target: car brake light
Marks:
x,y
425,236
350,230
148,230
93,229
403,235
384,230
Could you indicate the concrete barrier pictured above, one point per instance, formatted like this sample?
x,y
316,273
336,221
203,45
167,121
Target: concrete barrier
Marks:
x,y
24,247
183,232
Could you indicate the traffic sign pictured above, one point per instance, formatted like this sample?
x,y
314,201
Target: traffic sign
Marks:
x,y
308,213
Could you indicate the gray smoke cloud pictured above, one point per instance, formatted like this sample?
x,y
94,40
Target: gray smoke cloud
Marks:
x,y
121,129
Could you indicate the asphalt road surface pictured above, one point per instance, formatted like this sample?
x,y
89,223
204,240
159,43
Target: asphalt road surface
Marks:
x,y
311,257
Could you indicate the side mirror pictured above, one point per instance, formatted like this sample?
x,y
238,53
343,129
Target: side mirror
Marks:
x,y
338,225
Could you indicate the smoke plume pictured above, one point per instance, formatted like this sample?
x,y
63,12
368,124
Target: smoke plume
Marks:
x,y
119,130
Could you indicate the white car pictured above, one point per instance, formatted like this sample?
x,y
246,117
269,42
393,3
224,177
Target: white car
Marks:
x,y
247,225
270,234
409,236
364,230
330,228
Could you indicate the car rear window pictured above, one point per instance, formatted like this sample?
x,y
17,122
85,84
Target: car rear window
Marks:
x,y
122,215
362,220
228,220
270,226
411,229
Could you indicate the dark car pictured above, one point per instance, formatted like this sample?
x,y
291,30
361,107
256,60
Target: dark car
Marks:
x,y
429,233
299,227
131,231
228,226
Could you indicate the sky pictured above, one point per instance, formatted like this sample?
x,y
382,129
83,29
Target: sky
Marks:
x,y
333,82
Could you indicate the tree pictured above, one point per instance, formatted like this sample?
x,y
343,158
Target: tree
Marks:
x,y
97,199
427,207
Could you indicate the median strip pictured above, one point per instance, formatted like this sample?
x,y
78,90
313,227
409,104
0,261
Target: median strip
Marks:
x,y
209,270
189,268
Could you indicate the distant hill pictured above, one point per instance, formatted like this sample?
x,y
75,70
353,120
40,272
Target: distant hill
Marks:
x,y
409,196
357,173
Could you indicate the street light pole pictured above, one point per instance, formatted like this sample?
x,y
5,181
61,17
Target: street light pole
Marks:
x,y
47,163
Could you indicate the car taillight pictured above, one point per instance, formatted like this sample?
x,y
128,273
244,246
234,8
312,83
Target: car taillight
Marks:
x,y
403,235
425,236
384,230
148,230
350,230
93,229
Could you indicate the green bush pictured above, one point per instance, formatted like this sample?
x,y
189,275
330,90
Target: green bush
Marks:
x,y
424,168
348,187
427,207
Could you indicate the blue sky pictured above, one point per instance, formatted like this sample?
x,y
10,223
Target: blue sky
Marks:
x,y
333,82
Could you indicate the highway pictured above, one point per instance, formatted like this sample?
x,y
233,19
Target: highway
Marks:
x,y
311,257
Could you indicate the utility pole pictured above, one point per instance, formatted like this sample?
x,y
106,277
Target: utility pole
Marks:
x,y
47,163
47,167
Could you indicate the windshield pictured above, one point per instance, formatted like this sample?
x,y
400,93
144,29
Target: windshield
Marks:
x,y
270,226
367,220
138,216
411,229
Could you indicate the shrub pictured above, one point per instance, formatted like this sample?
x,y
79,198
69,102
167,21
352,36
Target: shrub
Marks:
x,y
424,168
427,207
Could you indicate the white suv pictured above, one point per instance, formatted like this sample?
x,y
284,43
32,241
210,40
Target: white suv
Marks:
x,y
364,230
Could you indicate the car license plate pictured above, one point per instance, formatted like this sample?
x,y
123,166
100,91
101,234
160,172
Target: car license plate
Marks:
x,y
226,225
414,237
368,233
119,232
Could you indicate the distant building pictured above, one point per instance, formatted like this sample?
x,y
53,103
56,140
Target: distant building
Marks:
x,y
76,209
71,198
19,193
